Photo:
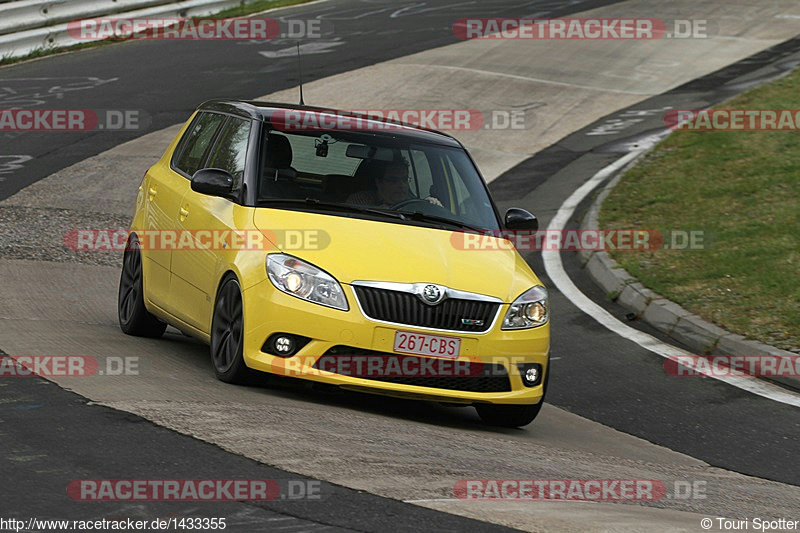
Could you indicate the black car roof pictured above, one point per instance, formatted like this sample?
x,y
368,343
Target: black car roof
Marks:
x,y
264,110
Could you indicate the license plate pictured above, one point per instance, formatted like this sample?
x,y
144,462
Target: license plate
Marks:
x,y
433,345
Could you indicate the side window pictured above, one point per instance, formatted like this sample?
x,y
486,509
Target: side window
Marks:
x,y
230,153
463,196
422,170
196,142
471,202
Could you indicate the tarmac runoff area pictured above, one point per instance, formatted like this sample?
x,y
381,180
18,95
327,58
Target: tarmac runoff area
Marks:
x,y
588,81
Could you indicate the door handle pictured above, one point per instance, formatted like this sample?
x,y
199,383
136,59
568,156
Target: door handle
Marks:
x,y
184,212
152,192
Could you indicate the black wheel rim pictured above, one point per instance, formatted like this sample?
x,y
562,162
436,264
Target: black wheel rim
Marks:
x,y
129,284
227,329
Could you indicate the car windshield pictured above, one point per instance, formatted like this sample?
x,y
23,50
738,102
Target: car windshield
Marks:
x,y
376,174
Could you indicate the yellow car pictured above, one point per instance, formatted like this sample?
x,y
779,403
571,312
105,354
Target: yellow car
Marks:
x,y
337,253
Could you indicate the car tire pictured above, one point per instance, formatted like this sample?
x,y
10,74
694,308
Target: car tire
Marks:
x,y
227,334
134,318
513,416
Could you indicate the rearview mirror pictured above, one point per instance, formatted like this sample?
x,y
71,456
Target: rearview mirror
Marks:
x,y
519,219
213,182
360,151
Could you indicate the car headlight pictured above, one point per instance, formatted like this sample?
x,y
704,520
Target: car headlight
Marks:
x,y
529,310
305,281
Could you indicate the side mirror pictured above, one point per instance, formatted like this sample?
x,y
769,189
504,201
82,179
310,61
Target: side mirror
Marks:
x,y
519,219
213,182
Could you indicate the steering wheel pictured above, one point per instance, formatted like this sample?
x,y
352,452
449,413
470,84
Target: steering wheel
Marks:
x,y
411,201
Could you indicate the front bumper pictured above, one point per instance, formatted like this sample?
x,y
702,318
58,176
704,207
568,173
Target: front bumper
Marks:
x,y
268,310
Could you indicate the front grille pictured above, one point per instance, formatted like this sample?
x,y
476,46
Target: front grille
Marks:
x,y
483,378
406,308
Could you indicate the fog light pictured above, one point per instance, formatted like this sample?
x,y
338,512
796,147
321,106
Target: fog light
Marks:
x,y
284,345
531,374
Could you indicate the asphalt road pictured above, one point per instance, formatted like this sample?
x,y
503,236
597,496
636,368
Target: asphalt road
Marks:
x,y
165,80
38,420
600,375
612,380
167,83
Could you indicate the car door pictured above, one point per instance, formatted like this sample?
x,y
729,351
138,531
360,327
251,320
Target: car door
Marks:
x,y
163,189
196,269
171,187
162,193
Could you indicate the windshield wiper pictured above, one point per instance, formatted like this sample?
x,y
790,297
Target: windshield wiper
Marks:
x,y
401,215
313,202
422,217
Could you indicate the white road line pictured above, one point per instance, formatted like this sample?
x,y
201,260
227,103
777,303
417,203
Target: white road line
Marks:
x,y
555,270
524,78
306,49
16,162
401,12
480,499
304,5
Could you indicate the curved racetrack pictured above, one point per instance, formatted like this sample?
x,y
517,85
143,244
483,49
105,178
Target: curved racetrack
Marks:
x,y
612,411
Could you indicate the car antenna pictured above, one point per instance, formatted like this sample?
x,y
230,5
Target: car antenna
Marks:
x,y
300,73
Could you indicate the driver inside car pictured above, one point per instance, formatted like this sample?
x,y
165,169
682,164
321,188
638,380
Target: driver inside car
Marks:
x,y
391,188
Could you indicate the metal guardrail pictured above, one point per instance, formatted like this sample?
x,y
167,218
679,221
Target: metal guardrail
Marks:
x,y
28,14
30,25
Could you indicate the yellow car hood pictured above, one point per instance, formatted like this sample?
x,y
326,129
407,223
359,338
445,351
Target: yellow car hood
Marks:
x,y
357,249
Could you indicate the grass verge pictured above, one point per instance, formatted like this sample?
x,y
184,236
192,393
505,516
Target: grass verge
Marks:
x,y
45,51
742,188
256,7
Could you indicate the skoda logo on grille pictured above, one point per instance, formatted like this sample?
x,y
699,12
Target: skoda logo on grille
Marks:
x,y
432,294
